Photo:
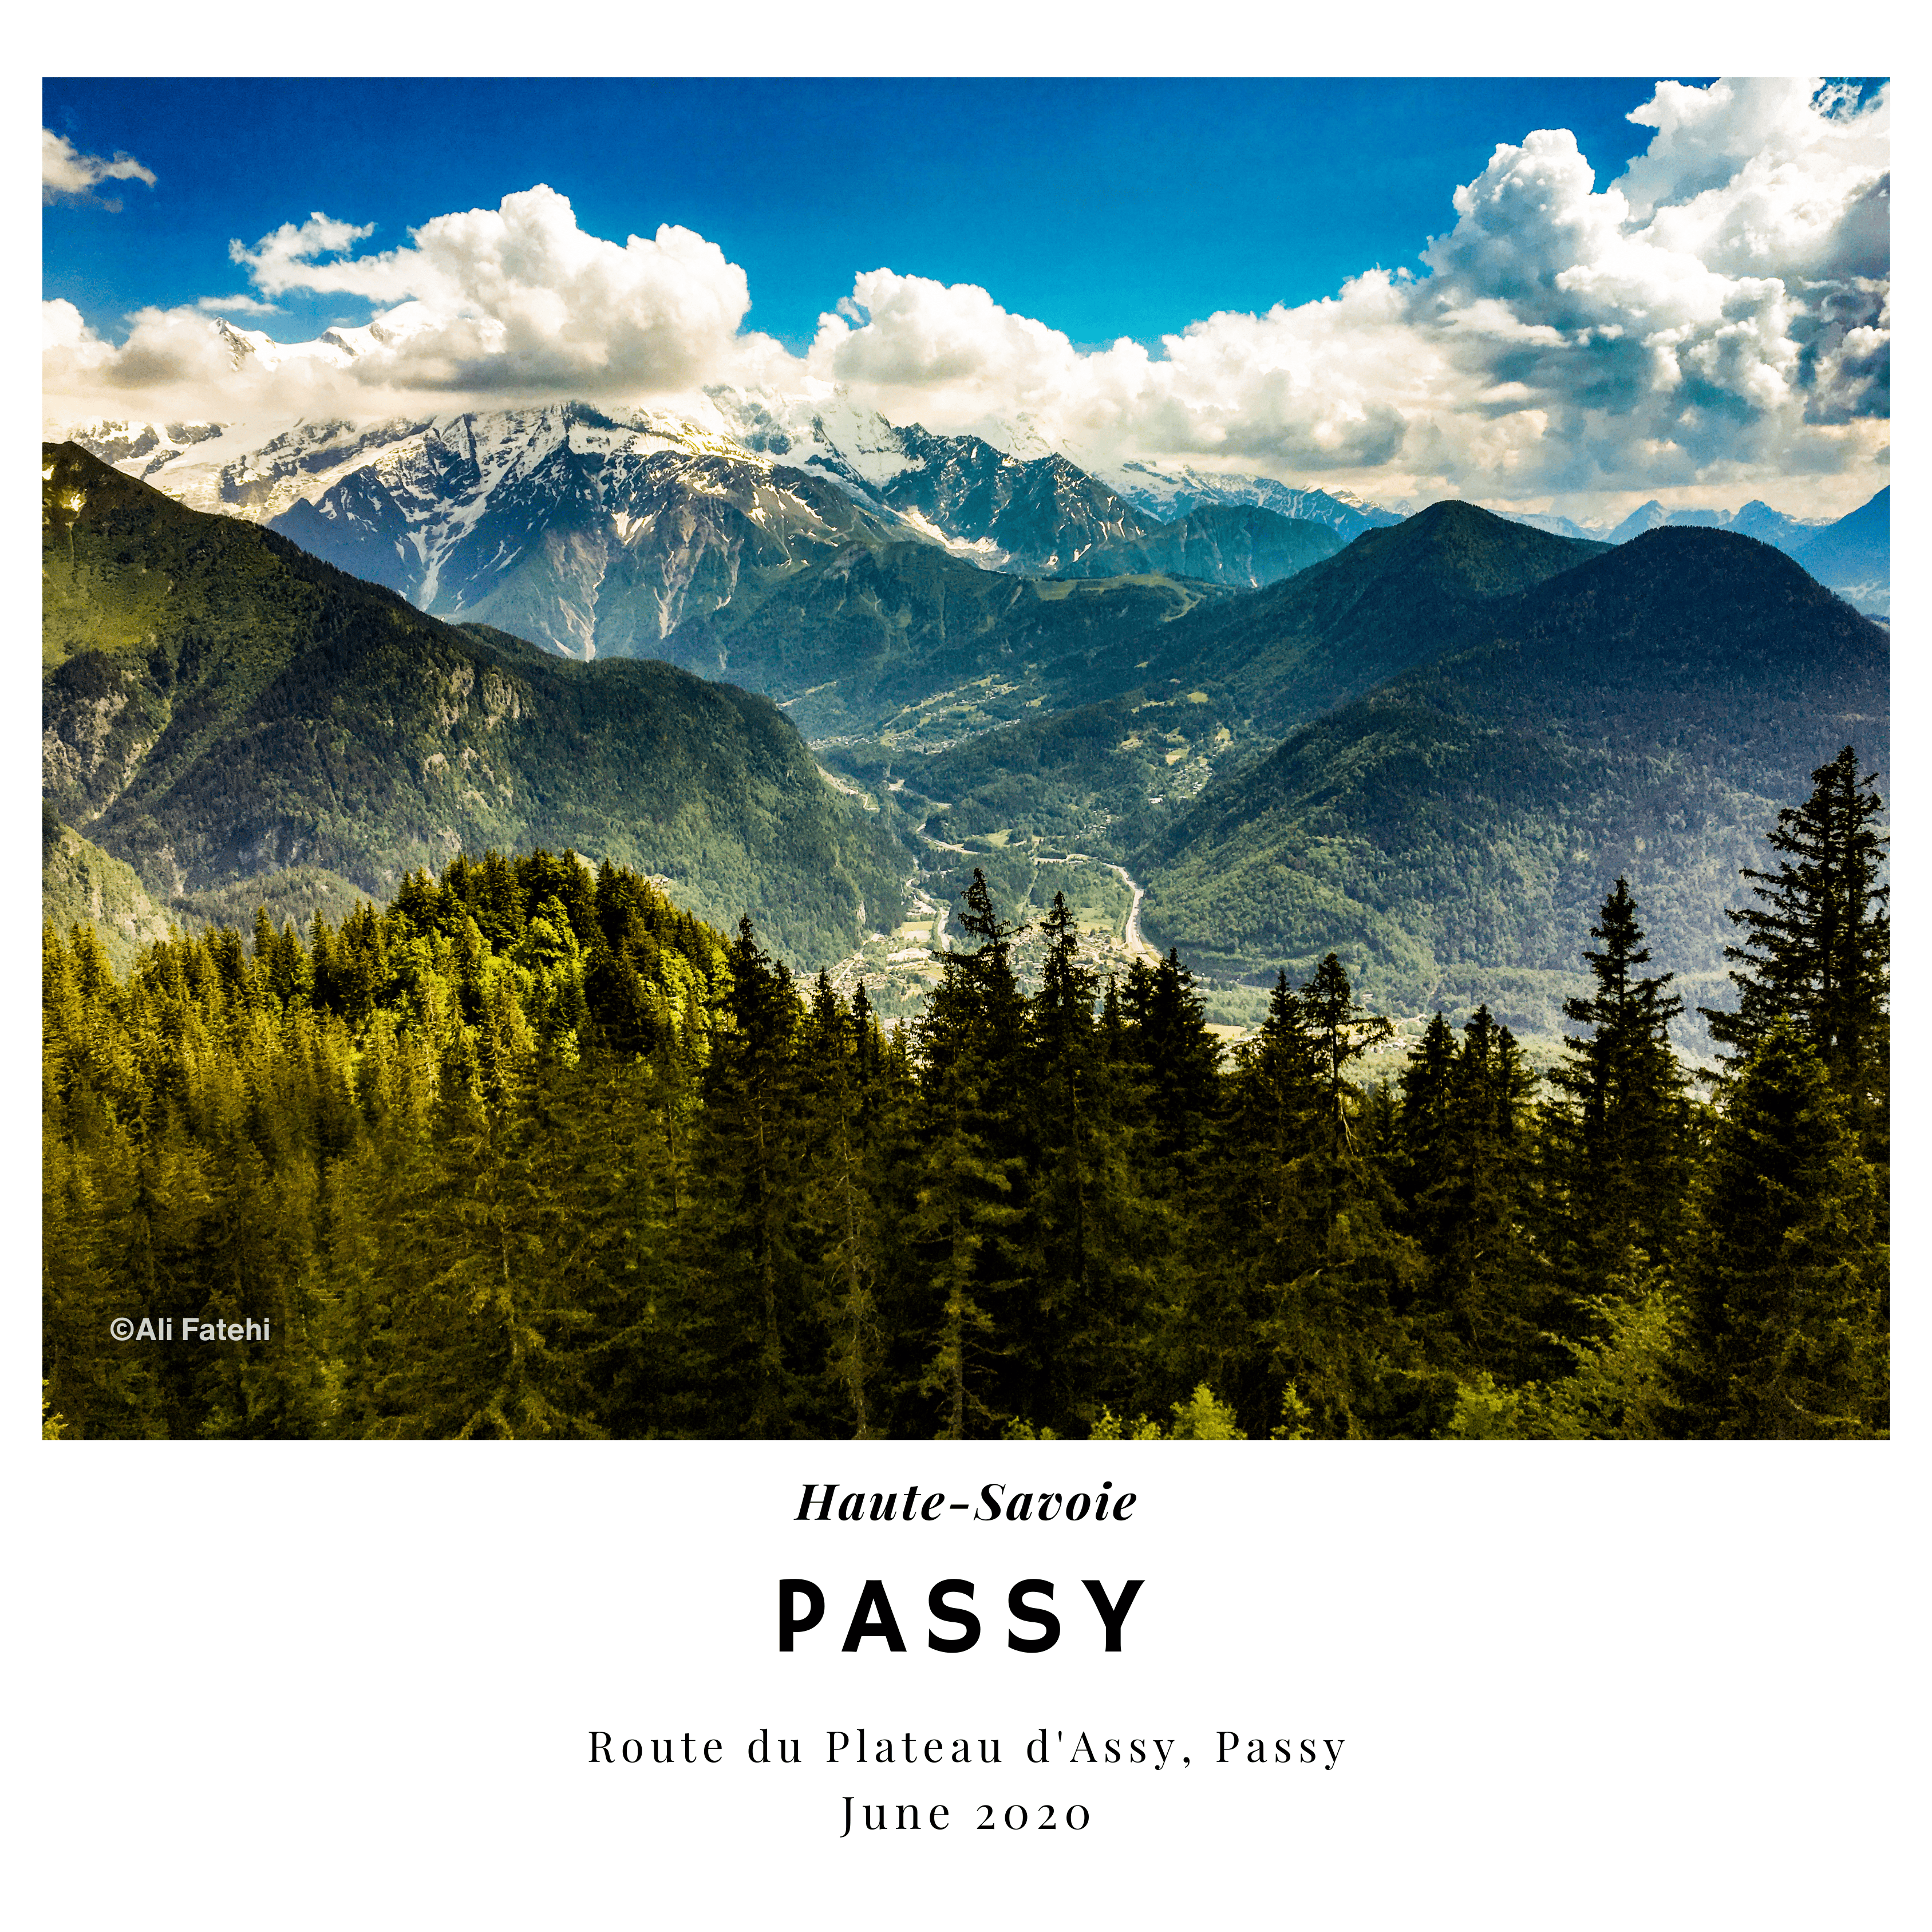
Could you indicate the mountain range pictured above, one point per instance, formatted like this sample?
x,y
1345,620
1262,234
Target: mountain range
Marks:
x,y
820,577
1851,555
1418,740
1166,711
1645,713
556,517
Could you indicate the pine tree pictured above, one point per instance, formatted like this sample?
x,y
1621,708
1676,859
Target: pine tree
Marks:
x,y
1329,1326
1081,1326
483,1310
1179,1063
1265,1209
1423,1119
748,1166
836,1058
1817,950
1470,1219
1787,1324
965,1216
647,1358
970,1041
1339,1031
1618,1140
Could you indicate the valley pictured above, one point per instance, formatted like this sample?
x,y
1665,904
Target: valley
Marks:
x,y
1252,724
898,969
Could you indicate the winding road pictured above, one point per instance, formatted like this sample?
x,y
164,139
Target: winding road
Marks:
x,y
1131,936
1135,943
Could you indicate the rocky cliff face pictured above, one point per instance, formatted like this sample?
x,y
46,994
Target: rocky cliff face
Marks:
x,y
1036,515
593,535
599,535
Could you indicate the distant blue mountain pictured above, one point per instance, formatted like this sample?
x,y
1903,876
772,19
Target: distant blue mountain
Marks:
x,y
1853,556
1756,519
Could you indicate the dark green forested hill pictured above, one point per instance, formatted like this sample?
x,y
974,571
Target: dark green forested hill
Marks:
x,y
219,705
1639,715
1393,598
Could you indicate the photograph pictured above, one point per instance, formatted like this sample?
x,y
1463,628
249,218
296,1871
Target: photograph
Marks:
x,y
650,830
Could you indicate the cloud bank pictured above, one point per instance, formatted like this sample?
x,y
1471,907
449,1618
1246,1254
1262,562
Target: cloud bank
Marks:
x,y
1716,320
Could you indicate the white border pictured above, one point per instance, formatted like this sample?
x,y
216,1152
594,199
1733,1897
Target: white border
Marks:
x,y
1647,1684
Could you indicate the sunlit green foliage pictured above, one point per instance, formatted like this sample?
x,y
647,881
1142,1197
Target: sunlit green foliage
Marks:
x,y
528,1152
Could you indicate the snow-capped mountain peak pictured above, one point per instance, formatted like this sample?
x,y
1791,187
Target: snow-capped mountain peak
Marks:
x,y
1169,491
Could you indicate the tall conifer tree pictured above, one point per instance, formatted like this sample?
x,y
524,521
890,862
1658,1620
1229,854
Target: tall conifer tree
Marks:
x,y
1788,1318
970,1041
838,1206
749,1166
1618,1140
1817,948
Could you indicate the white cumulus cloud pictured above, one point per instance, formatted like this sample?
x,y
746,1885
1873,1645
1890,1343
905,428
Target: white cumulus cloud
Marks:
x,y
287,258
520,298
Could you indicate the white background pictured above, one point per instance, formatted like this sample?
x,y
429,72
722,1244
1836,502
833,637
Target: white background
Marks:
x,y
1650,1686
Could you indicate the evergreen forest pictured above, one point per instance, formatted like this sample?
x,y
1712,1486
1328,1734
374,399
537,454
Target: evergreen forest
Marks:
x,y
530,1152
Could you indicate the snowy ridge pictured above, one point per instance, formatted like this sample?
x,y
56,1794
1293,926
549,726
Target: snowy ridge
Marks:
x,y
260,470
584,529
593,530
1170,491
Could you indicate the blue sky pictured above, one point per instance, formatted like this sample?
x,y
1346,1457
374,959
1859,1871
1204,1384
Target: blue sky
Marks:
x,y
1543,294
1104,208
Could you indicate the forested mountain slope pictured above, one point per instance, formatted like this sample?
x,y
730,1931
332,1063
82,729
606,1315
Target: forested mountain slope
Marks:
x,y
1641,714
1238,544
80,884
1143,723
847,646
219,705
